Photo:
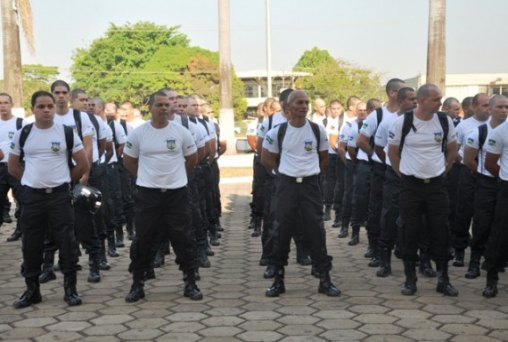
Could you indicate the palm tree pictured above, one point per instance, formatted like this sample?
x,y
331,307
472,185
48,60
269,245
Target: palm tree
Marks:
x,y
13,76
436,50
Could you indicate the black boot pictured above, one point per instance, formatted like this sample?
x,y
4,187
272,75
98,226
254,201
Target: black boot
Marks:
x,y
103,261
278,284
71,296
32,295
326,286
385,263
214,239
47,268
209,250
490,290
374,259
203,260
328,214
409,288
459,258
15,236
473,270
112,246
136,293
355,237
314,272
191,290
130,231
370,252
443,282
338,220
257,227
159,259
119,237
251,222
93,263
343,231
302,258
425,266
269,272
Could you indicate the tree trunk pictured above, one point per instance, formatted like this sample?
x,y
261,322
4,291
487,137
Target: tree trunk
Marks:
x,y
436,51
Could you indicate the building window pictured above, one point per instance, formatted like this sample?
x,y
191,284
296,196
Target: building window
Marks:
x,y
249,90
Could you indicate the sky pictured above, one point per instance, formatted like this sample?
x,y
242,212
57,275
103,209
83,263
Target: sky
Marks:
x,y
386,36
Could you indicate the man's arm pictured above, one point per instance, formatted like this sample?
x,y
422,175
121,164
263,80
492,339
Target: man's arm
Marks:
x,y
270,160
353,154
323,161
101,145
259,145
252,141
223,147
119,150
451,155
201,154
380,152
82,165
88,146
109,150
332,141
191,161
470,155
15,168
490,163
364,143
393,154
131,164
341,151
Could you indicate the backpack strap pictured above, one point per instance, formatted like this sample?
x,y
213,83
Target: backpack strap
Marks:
x,y
124,125
270,121
95,124
379,117
22,139
204,124
69,142
185,121
282,133
407,125
325,122
77,119
443,120
315,129
482,135
341,121
111,124
206,118
19,123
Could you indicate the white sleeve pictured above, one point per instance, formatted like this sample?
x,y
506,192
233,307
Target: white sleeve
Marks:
x,y
188,145
323,144
121,137
381,138
87,127
395,132
15,148
495,141
78,144
369,125
132,145
270,141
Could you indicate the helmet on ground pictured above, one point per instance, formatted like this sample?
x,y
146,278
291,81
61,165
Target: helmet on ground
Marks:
x,y
87,198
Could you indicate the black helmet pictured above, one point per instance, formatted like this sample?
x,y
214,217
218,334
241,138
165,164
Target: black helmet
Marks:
x,y
87,198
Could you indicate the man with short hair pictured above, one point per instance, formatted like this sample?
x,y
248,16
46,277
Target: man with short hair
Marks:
x,y
160,154
467,180
297,159
319,115
467,107
46,177
451,106
422,148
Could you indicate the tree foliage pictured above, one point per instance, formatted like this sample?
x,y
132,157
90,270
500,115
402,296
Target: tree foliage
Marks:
x,y
335,79
134,60
36,77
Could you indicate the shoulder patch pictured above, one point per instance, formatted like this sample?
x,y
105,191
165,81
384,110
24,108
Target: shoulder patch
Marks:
x,y
492,142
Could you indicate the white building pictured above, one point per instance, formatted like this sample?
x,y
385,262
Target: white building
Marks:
x,y
464,85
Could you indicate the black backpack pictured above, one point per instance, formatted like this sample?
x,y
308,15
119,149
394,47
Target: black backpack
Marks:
x,y
379,117
19,123
407,125
69,142
282,133
482,135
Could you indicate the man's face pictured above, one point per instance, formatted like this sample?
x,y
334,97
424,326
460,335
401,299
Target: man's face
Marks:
x,y
173,100
182,106
453,110
320,107
361,111
392,94
91,107
61,94
409,103
481,109
5,105
160,108
336,109
431,103
110,110
500,110
193,107
81,102
44,109
299,105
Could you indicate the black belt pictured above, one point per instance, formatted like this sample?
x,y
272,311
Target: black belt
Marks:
x,y
60,188
487,178
159,190
422,180
299,179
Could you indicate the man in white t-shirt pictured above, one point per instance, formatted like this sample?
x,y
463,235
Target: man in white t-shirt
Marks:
x,y
496,162
475,152
160,154
298,156
421,157
9,125
45,177
464,209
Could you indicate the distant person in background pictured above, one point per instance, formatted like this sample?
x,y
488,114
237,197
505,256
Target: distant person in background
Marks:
x,y
467,107
351,104
319,115
451,106
138,118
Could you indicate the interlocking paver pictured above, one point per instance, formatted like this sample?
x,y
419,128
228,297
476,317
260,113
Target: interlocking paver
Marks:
x,y
235,308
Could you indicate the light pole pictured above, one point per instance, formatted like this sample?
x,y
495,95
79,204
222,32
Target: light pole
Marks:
x,y
268,51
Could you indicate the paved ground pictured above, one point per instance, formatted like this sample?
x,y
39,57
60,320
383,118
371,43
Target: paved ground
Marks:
x,y
235,308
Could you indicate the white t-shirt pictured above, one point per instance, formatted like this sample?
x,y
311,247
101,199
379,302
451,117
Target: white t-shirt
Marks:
x,y
252,127
197,131
87,128
332,128
277,119
464,128
109,139
472,141
351,142
319,119
7,130
46,161
344,137
104,132
381,138
422,154
137,122
211,128
370,126
161,154
121,138
299,157
497,143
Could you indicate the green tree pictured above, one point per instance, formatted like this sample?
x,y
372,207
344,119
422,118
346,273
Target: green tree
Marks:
x,y
36,77
132,61
335,79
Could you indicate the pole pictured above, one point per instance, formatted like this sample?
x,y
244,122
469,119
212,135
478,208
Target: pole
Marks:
x,y
436,49
268,51
13,76
226,115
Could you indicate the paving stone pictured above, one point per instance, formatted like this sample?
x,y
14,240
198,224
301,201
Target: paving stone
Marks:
x,y
112,319
453,319
59,336
375,318
417,323
426,335
222,321
464,329
260,336
34,322
183,327
343,335
77,316
105,330
387,338
179,337
499,334
300,330
186,316
486,314
260,325
297,319
99,339
474,338
302,339
342,323
140,334
334,314
220,331
69,326
373,329
371,309
409,314
260,315
442,309
146,323
10,318
296,310
22,333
